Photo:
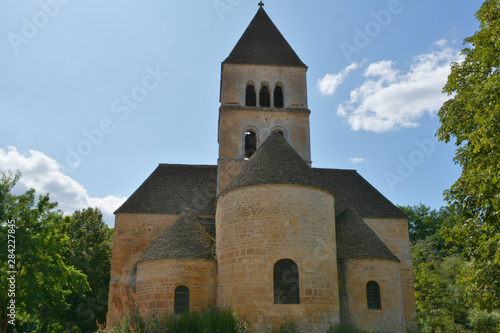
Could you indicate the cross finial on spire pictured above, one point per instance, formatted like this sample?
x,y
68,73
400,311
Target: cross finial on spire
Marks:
x,y
261,4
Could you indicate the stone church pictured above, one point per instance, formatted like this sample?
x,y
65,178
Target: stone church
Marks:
x,y
262,231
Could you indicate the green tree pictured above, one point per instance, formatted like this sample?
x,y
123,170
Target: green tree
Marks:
x,y
43,279
436,264
472,118
89,250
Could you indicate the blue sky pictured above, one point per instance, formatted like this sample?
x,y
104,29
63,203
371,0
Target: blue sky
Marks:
x,y
94,94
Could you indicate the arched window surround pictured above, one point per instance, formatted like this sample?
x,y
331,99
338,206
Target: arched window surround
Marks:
x,y
181,299
279,95
265,95
282,130
373,298
286,282
250,143
250,94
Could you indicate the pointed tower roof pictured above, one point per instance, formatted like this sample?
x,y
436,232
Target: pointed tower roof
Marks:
x,y
355,239
185,239
275,162
263,44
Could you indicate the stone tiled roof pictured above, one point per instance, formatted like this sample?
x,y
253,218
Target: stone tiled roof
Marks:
x,y
263,44
185,239
275,162
351,189
172,187
355,239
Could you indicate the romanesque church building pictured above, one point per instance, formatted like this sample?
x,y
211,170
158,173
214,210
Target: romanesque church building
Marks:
x,y
263,231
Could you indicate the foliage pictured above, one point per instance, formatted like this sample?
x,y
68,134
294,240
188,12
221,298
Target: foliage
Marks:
x,y
43,280
472,118
89,251
483,321
344,328
287,325
209,321
436,264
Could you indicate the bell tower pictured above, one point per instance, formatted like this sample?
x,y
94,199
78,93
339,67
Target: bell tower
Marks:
x,y
263,89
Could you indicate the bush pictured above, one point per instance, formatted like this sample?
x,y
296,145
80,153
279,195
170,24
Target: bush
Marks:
x,y
484,321
211,321
344,328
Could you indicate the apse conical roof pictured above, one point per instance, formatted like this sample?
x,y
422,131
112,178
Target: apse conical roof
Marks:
x,y
185,239
263,44
275,162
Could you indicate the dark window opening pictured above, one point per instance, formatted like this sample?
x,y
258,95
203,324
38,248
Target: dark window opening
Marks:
x,y
264,97
278,97
280,132
251,97
286,282
181,300
250,144
373,296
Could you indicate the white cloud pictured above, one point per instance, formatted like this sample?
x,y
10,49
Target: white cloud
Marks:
x,y
389,100
330,82
43,174
356,160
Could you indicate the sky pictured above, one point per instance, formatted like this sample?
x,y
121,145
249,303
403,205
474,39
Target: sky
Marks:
x,y
95,94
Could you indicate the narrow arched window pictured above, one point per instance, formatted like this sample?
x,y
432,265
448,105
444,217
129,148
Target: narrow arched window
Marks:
x,y
373,296
264,97
250,98
250,144
278,97
181,300
286,282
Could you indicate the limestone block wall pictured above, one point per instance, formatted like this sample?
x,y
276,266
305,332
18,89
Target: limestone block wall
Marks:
x,y
259,225
134,233
235,78
157,280
394,233
354,274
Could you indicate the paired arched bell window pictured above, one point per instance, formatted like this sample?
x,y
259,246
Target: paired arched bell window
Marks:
x,y
286,282
181,300
264,95
373,296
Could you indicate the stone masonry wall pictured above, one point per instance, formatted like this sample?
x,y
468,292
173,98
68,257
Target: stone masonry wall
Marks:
x,y
394,233
354,274
157,280
235,78
259,225
234,122
134,233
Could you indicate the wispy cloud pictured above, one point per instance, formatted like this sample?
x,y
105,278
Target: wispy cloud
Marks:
x,y
390,99
330,82
43,174
357,160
